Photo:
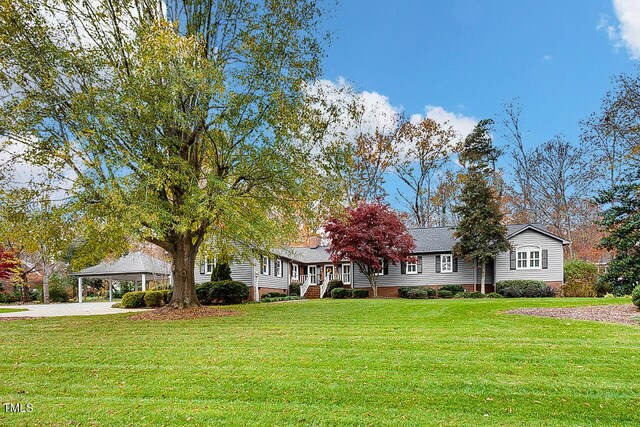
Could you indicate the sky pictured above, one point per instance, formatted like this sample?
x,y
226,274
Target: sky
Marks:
x,y
461,60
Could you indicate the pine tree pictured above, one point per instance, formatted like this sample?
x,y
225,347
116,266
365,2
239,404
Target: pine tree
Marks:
x,y
480,232
621,221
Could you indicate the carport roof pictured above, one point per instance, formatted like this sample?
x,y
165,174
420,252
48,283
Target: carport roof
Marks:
x,y
129,267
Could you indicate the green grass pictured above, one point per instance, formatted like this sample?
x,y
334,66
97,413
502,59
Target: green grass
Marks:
x,y
11,310
326,362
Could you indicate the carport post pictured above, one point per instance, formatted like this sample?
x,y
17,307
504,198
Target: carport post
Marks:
x,y
144,282
110,290
79,289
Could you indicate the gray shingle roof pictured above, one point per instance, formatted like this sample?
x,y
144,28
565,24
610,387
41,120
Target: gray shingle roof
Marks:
x,y
128,267
305,255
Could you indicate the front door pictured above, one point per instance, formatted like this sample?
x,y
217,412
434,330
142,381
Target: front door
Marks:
x,y
328,271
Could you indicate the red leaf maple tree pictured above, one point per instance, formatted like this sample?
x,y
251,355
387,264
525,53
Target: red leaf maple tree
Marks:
x,y
8,263
367,235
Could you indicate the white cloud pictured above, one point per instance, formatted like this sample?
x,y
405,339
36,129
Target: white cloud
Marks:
x,y
627,32
462,124
547,57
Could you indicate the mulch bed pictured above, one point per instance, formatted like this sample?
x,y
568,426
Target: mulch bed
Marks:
x,y
167,313
6,319
602,313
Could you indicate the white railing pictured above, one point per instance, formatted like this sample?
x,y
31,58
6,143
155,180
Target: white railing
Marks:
x,y
306,282
344,278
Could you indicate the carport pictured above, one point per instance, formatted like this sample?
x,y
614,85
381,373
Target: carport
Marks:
x,y
135,267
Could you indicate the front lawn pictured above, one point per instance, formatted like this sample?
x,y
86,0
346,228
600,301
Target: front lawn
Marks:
x,y
386,362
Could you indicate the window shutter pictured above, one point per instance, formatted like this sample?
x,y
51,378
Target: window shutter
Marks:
x,y
437,263
385,270
545,259
455,264
512,259
201,267
403,267
419,264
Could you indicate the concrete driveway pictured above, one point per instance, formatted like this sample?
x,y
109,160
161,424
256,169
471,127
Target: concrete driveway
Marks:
x,y
67,309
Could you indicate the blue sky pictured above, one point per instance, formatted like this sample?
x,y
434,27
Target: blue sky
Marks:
x,y
467,57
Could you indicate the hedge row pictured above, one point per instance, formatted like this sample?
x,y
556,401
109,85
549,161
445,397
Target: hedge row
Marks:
x,y
635,296
424,292
140,299
524,289
224,292
341,293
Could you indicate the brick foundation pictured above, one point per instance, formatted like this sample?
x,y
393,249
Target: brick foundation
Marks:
x,y
263,291
554,285
392,291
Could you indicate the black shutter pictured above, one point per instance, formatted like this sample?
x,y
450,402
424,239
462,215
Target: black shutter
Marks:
x,y
437,263
403,267
512,259
455,264
201,267
545,259
419,265
385,270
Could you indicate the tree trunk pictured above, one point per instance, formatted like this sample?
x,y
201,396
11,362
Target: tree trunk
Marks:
x,y
45,284
484,272
184,286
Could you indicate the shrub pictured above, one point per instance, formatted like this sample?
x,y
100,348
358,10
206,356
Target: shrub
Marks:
x,y
517,284
8,297
228,292
274,295
529,292
339,293
286,298
294,288
153,298
443,293
203,293
166,295
493,295
454,289
116,305
57,293
635,296
359,293
333,284
169,296
580,278
424,292
133,299
470,295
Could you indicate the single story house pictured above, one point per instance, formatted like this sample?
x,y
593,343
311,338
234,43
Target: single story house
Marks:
x,y
537,254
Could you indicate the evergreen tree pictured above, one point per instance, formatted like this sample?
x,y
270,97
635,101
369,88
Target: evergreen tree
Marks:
x,y
221,271
480,232
621,220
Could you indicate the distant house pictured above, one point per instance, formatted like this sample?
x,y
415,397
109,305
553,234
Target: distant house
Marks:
x,y
537,254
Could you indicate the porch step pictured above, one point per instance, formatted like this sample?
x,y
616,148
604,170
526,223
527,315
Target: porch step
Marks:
x,y
313,292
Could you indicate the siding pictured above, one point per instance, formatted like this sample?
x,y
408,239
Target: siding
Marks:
x,y
272,281
464,275
241,271
530,237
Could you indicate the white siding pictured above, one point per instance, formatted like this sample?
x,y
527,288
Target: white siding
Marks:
x,y
530,237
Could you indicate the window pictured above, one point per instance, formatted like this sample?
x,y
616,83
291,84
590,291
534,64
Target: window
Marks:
x,y
295,271
208,265
446,263
277,267
313,274
382,265
412,268
346,274
528,257
264,266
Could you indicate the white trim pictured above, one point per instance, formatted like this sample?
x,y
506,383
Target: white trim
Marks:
x,y
265,265
208,265
313,278
346,275
381,271
528,257
295,272
443,263
413,265
277,266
